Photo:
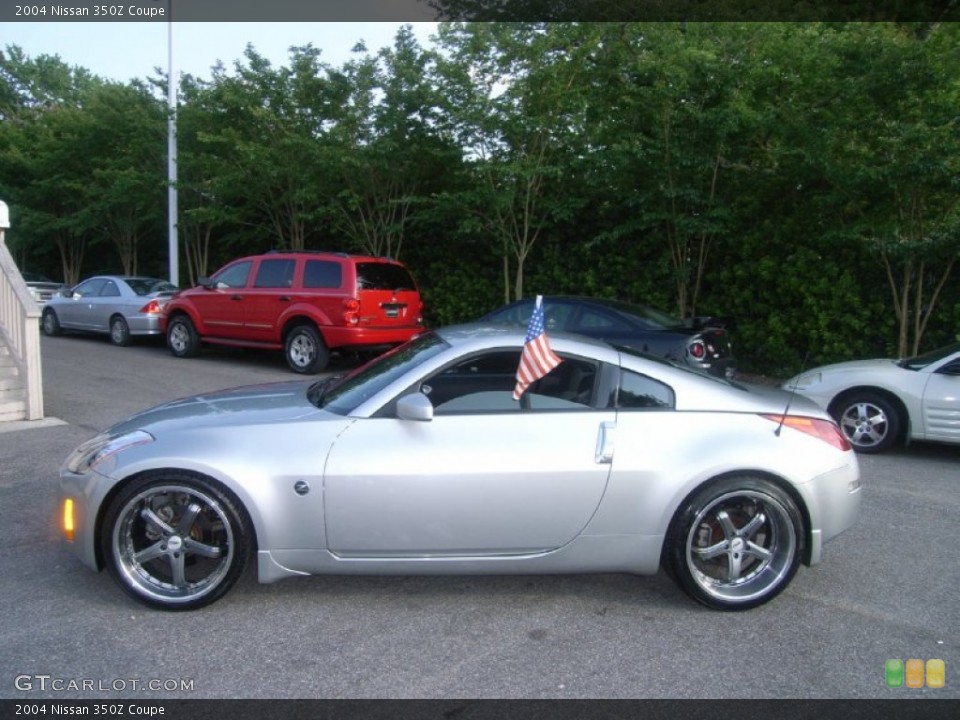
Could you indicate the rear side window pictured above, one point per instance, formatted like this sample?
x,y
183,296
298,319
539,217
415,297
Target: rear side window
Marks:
x,y
322,274
383,276
639,392
275,274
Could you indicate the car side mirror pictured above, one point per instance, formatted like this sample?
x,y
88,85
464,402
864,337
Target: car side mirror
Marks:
x,y
204,281
415,406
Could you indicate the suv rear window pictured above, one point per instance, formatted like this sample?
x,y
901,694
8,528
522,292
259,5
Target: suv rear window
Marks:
x,y
322,274
383,276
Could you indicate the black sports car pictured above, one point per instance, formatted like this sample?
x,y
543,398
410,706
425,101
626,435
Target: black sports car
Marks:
x,y
702,344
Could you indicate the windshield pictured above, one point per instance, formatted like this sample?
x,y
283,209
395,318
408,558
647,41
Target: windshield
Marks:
x,y
343,395
921,361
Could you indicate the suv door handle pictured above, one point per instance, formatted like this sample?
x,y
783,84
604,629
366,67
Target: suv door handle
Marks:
x,y
236,297
284,298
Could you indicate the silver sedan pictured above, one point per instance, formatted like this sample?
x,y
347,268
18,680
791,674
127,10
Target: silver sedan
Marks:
x,y
422,462
122,307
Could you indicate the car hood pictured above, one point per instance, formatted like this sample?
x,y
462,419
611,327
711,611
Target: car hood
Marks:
x,y
248,405
846,368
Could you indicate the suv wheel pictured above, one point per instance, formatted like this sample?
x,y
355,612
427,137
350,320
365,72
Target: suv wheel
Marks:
x,y
305,350
182,337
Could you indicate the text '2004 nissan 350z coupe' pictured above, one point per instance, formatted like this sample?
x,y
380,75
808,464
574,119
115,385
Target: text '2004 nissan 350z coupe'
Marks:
x,y
433,459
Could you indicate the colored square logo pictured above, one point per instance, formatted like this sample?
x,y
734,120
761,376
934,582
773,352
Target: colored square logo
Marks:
x,y
894,672
914,673
936,673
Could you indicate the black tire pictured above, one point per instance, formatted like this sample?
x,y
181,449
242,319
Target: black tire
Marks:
x,y
119,331
175,541
869,421
305,350
50,323
735,543
182,337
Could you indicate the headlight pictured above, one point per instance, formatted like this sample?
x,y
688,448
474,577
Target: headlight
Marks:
x,y
95,451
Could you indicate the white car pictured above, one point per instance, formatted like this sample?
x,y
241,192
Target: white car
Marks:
x,y
878,403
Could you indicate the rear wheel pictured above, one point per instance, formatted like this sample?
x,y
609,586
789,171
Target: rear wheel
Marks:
x,y
305,350
870,421
175,541
50,323
119,331
182,337
736,543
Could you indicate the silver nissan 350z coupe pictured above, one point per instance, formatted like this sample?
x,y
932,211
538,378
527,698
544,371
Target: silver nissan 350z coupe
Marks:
x,y
423,461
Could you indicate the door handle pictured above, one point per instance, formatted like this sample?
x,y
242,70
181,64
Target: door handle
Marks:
x,y
236,297
604,454
284,298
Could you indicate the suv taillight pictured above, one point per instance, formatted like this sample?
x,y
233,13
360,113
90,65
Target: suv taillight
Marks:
x,y
351,310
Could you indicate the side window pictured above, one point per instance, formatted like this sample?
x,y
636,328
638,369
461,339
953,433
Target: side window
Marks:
x,y
110,289
234,276
90,288
639,392
569,386
482,383
322,274
593,320
485,383
275,274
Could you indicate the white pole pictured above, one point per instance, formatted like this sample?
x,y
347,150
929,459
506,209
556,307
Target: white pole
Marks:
x,y
172,87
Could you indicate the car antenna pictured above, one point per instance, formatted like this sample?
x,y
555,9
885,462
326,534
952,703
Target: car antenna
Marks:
x,y
793,392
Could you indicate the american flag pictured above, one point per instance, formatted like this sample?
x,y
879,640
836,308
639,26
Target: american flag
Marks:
x,y
537,358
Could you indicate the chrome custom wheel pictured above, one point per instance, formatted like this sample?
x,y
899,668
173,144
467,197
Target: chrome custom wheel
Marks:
x,y
175,543
737,543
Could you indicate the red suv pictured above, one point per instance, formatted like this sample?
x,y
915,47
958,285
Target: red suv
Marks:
x,y
307,304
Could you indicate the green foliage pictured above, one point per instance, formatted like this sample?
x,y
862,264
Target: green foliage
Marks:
x,y
801,178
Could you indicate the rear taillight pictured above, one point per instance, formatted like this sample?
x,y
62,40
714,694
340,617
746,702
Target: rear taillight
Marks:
x,y
351,310
152,308
697,349
826,430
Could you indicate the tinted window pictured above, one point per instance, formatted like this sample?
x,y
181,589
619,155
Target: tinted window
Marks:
x,y
590,319
234,276
322,274
145,286
556,315
383,276
275,274
641,392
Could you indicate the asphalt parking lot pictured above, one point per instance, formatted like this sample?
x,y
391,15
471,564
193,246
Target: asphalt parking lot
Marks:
x,y
888,589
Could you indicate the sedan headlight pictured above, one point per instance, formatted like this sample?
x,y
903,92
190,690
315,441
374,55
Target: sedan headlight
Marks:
x,y
95,451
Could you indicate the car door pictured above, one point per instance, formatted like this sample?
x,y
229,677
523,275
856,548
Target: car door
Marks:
x,y
487,475
74,313
221,304
102,306
267,297
941,404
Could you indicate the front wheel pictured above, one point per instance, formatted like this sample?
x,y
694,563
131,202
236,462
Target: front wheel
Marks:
x,y
174,541
182,337
736,543
869,421
305,350
50,324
